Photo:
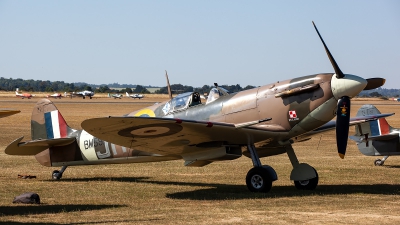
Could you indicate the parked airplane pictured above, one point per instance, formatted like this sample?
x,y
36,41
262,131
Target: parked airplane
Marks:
x,y
84,94
8,112
139,96
115,96
57,95
376,138
395,99
24,95
259,122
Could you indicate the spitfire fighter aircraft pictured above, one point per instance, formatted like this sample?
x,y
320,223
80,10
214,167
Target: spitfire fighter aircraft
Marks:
x,y
259,122
376,138
139,96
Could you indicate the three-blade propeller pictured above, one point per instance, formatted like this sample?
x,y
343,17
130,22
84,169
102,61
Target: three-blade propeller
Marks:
x,y
343,107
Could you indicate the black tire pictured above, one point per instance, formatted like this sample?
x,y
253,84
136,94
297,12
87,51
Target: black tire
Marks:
x,y
378,162
307,184
56,175
258,179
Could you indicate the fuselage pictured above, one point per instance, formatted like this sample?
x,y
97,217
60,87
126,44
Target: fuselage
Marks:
x,y
289,111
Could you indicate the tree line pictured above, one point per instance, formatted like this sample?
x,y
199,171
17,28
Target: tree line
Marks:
x,y
10,84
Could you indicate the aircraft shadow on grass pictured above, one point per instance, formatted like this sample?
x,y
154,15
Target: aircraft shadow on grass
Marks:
x,y
25,210
392,166
21,210
100,222
215,191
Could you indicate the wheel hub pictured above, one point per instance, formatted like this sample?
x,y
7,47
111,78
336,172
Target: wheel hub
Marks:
x,y
257,181
304,182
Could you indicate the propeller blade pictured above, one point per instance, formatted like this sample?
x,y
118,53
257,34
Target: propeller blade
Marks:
x,y
342,124
339,73
168,86
374,83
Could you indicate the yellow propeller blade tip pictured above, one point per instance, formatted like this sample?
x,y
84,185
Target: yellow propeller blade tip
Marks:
x,y
341,155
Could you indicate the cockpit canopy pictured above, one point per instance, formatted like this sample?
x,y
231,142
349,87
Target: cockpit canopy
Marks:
x,y
215,93
188,99
182,102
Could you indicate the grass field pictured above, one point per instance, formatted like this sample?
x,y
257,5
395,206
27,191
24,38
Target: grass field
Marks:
x,y
350,191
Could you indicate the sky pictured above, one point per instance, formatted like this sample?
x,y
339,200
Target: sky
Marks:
x,y
198,42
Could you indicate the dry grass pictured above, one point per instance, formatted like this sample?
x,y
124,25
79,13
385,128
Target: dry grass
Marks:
x,y
351,191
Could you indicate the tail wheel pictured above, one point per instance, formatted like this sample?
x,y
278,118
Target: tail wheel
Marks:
x,y
258,179
56,175
310,184
378,162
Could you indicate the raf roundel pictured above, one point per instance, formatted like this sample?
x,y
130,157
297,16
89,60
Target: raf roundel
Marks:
x,y
145,113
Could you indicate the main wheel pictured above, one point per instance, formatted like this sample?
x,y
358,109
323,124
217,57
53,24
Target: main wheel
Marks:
x,y
379,162
56,175
310,184
258,179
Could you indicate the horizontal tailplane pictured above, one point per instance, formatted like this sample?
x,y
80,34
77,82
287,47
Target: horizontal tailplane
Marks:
x,y
36,146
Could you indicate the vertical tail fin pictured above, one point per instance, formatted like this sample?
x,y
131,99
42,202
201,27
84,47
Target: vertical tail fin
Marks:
x,y
47,122
375,127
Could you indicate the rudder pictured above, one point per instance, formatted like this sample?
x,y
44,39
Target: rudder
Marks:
x,y
47,122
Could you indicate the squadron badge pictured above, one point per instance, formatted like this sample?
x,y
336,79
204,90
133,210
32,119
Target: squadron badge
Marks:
x,y
343,110
293,115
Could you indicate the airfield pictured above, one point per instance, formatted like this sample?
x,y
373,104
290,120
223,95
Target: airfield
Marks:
x,y
350,191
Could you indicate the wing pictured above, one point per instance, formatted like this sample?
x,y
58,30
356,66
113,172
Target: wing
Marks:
x,y
8,112
170,136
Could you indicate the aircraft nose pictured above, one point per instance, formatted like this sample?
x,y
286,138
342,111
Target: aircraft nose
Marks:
x,y
349,85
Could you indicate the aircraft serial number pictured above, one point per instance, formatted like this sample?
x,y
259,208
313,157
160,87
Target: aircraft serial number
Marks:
x,y
92,143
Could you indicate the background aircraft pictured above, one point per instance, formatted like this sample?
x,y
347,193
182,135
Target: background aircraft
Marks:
x,y
395,99
84,94
24,95
115,96
57,95
259,122
376,138
139,96
8,112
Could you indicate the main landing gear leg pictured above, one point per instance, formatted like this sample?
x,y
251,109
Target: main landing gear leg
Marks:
x,y
259,178
305,177
56,175
380,162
